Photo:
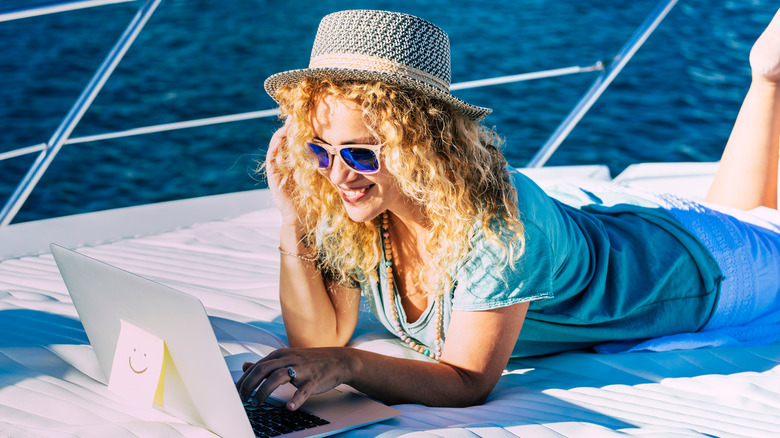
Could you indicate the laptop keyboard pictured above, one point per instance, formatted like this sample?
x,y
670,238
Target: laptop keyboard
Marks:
x,y
269,420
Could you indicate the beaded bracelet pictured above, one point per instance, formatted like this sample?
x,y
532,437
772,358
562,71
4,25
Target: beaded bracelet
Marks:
x,y
298,256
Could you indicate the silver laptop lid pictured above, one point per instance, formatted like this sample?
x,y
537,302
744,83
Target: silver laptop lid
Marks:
x,y
198,386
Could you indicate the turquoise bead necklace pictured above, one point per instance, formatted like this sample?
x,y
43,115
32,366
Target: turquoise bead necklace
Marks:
x,y
388,250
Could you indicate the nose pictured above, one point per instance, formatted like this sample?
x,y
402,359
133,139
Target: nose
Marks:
x,y
339,172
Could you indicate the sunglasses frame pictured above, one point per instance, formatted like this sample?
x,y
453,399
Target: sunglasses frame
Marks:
x,y
335,151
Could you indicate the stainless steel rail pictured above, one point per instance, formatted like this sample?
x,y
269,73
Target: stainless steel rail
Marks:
x,y
601,83
55,143
274,112
53,8
61,136
527,76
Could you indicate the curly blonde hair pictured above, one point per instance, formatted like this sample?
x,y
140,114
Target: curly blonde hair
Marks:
x,y
448,165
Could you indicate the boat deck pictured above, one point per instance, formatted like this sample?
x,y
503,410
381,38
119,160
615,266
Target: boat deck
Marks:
x,y
223,250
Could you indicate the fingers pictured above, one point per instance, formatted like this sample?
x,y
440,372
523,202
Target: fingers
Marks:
x,y
299,398
281,187
314,371
250,381
271,371
272,380
243,385
277,378
274,147
279,137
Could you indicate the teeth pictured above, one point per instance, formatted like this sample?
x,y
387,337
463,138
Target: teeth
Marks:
x,y
352,193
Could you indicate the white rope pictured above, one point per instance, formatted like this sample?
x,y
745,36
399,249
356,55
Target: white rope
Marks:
x,y
526,76
22,151
275,112
53,9
176,125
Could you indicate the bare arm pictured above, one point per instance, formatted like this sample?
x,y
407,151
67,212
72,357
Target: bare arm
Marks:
x,y
315,315
476,351
747,175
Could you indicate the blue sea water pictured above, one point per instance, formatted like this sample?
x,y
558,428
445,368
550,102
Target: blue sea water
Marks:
x,y
675,101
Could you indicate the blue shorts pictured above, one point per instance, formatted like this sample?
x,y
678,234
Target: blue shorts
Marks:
x,y
746,246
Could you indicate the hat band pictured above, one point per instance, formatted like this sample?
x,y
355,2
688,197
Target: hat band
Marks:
x,y
354,61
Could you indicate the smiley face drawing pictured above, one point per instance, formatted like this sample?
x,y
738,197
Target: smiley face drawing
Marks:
x,y
137,369
138,359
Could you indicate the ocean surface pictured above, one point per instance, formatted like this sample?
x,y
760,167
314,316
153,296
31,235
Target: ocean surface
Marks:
x,y
675,101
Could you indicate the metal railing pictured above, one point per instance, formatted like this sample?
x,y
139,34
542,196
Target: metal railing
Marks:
x,y
602,82
60,136
608,71
53,8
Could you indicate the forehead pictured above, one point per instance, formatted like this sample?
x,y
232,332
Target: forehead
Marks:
x,y
338,118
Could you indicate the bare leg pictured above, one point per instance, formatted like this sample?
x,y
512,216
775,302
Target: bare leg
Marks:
x,y
748,174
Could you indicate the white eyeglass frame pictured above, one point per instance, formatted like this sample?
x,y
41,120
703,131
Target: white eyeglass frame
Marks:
x,y
335,151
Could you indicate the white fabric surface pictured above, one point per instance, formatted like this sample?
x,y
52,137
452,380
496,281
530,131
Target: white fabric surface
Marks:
x,y
50,384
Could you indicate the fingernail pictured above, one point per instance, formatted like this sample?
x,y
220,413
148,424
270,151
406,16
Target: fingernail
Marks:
x,y
291,406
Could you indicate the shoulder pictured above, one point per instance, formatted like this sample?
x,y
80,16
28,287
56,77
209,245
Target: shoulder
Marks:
x,y
534,204
487,279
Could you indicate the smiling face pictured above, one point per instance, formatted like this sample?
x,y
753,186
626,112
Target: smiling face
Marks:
x,y
138,361
338,122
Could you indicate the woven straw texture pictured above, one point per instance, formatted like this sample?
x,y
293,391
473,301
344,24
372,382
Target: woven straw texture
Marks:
x,y
397,48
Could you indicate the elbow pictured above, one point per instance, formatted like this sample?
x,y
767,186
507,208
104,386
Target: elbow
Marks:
x,y
463,403
480,397
465,400
475,398
473,389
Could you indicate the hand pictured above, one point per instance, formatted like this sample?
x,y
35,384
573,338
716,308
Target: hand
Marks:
x,y
280,190
765,54
317,370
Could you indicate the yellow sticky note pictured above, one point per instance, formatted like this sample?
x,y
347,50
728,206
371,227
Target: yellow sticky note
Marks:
x,y
136,373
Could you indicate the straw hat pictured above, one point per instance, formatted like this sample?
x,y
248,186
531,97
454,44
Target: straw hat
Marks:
x,y
397,48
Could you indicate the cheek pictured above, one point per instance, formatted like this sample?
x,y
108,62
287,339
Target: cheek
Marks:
x,y
389,187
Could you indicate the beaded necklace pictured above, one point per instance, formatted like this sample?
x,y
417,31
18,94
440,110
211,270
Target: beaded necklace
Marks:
x,y
388,249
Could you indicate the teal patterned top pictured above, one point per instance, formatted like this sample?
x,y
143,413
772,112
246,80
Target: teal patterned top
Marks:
x,y
598,265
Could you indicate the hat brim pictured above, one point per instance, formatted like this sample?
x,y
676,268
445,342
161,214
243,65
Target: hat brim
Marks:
x,y
473,112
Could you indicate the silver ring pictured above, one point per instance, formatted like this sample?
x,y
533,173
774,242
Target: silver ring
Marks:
x,y
291,373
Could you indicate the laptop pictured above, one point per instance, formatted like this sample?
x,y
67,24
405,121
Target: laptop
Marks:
x,y
198,386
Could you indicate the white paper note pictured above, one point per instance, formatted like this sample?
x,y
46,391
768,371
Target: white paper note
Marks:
x,y
138,363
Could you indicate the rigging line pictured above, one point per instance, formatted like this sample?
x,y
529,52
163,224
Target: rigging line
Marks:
x,y
176,125
22,151
527,76
602,82
57,140
36,11
274,112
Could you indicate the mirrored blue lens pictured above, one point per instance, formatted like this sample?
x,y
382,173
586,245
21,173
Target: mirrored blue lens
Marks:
x,y
360,159
323,157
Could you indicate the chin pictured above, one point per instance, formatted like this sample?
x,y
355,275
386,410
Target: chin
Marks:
x,y
362,214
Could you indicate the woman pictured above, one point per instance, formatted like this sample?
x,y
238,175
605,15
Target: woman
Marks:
x,y
389,187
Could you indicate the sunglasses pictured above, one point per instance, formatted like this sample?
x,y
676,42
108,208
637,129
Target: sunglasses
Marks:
x,y
362,158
